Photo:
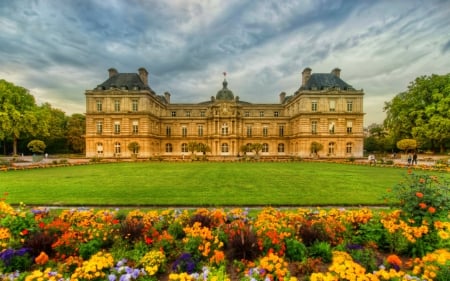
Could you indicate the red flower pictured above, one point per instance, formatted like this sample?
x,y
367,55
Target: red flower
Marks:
x,y
148,240
24,232
422,205
419,194
432,210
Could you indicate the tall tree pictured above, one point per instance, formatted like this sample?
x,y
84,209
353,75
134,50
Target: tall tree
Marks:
x,y
422,112
76,128
19,115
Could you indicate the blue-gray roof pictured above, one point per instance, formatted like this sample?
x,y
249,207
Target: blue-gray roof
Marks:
x,y
127,81
322,81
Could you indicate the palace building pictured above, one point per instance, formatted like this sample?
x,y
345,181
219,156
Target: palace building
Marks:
x,y
323,118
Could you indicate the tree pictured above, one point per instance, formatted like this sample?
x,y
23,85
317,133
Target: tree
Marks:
x,y
257,147
316,147
134,147
407,144
20,117
422,112
36,146
76,127
192,147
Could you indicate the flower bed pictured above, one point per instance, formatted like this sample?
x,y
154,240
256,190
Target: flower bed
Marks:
x,y
408,243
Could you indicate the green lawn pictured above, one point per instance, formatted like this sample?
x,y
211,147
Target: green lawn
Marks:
x,y
201,183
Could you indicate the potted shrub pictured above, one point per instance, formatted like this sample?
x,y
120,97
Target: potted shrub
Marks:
x,y
133,147
37,147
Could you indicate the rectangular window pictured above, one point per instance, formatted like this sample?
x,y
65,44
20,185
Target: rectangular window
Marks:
x,y
200,130
314,106
332,105
134,105
184,131
247,114
276,114
224,129
349,127
281,130
168,131
116,127
187,114
314,127
202,114
349,106
99,127
174,114
261,114
99,106
249,131
135,127
116,105
265,131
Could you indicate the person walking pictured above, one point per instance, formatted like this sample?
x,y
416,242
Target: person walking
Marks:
x,y
414,159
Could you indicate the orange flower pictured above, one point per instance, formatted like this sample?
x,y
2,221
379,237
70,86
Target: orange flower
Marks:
x,y
41,259
394,260
432,210
421,180
422,205
419,194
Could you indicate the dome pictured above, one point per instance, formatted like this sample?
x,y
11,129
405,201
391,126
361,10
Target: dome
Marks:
x,y
225,93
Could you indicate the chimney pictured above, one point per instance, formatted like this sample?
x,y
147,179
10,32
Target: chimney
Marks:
x,y
336,72
305,75
144,75
282,97
167,97
112,72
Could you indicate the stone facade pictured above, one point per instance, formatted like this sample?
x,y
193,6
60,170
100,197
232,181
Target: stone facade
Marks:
x,y
324,110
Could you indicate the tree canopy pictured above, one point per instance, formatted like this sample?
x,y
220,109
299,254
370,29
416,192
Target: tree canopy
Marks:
x,y
19,115
422,112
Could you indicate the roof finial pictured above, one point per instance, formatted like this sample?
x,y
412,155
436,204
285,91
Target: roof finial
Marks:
x,y
224,75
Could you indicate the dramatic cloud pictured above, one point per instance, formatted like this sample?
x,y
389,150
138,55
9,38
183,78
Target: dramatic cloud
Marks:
x,y
59,49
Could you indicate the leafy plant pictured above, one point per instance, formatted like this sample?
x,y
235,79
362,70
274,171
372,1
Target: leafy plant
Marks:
x,y
36,146
321,250
295,250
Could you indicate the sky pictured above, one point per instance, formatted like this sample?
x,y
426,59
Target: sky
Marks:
x,y
58,49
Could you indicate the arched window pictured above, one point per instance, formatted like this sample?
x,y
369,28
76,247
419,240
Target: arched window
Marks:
x,y
184,147
265,147
169,147
117,147
349,147
224,147
331,148
99,148
281,147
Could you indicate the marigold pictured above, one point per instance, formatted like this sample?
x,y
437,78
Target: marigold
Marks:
x,y
41,259
432,210
419,194
422,205
394,260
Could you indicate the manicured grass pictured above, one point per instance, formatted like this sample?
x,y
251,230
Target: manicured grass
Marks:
x,y
201,183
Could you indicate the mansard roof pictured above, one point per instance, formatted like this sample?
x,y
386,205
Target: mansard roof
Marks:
x,y
129,81
322,81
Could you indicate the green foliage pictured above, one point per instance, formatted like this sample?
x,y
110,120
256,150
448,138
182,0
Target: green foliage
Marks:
x,y
321,250
295,250
422,112
134,147
407,144
316,147
421,197
89,248
370,233
36,146
365,257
